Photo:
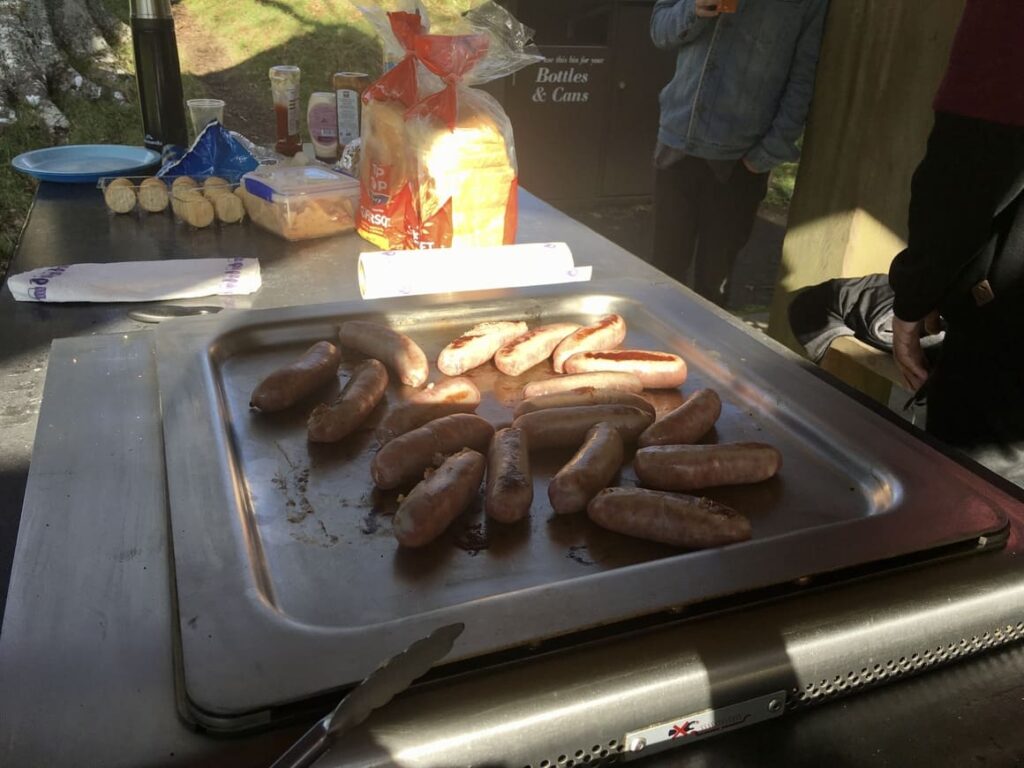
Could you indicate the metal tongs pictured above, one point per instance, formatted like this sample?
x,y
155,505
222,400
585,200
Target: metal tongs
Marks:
x,y
383,684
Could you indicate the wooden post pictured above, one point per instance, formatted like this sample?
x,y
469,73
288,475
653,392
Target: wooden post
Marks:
x,y
881,63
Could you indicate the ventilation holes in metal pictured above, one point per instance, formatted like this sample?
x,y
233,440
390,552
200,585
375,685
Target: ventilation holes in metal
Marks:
x,y
597,754
896,668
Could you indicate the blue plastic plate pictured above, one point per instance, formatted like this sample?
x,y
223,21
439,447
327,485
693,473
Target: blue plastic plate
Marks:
x,y
81,163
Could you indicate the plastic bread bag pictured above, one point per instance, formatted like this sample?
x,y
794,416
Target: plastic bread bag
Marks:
x,y
441,169
460,149
383,167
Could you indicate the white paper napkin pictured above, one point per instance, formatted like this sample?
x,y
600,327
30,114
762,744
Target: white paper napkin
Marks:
x,y
138,280
447,270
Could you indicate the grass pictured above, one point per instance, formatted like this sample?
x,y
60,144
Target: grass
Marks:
x,y
780,186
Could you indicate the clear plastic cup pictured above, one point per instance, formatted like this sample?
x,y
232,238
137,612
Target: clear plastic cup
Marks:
x,y
202,111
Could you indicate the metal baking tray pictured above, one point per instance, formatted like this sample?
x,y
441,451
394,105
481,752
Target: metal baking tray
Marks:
x,y
290,583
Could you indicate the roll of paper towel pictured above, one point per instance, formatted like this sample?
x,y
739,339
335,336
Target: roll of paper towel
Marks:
x,y
447,270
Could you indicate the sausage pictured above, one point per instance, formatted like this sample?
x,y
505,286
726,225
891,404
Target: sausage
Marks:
x,y
687,467
606,333
286,386
448,396
365,388
532,348
669,518
477,345
396,350
686,424
437,500
624,382
657,370
591,469
559,427
583,396
509,482
403,460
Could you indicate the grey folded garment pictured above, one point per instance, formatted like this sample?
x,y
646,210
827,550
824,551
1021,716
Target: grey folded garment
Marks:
x,y
852,306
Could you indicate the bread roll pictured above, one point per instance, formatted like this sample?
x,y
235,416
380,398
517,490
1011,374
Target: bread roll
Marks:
x,y
120,196
192,207
215,185
228,207
153,195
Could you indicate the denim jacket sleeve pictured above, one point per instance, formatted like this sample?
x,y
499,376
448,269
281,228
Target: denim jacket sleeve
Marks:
x,y
675,23
779,144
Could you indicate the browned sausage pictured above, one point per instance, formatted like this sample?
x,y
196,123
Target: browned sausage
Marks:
x,y
623,382
561,427
688,467
606,333
686,424
532,348
477,345
657,370
670,518
436,501
286,386
509,482
365,388
403,460
583,396
448,396
396,350
591,469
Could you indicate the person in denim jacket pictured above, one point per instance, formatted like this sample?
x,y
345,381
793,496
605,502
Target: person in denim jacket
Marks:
x,y
734,109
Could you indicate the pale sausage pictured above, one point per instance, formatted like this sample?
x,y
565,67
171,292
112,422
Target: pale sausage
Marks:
x,y
624,382
669,518
606,333
286,386
532,348
561,427
477,345
688,467
591,469
657,370
365,388
404,459
448,396
396,350
436,501
686,424
509,482
583,396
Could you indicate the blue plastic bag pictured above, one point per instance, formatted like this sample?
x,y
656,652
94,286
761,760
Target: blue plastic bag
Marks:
x,y
215,152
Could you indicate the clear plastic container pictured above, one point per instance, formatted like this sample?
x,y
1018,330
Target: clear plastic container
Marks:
x,y
301,202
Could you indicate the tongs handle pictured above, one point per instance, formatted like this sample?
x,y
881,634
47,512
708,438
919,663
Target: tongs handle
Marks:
x,y
304,752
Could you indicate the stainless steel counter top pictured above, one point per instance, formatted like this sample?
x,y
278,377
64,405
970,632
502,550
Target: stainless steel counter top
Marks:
x,y
86,668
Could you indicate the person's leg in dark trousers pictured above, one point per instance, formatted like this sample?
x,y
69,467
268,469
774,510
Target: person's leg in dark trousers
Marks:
x,y
679,192
731,208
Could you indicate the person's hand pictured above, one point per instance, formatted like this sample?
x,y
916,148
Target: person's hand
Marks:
x,y
707,9
750,168
906,348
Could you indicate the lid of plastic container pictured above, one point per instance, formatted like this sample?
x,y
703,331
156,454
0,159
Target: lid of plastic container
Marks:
x,y
273,183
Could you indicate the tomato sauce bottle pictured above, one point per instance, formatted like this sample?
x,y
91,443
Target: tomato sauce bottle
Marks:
x,y
284,85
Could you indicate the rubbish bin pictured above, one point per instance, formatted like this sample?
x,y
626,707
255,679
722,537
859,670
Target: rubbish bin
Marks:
x,y
585,119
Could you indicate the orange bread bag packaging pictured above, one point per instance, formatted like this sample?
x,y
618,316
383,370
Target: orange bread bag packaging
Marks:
x,y
442,172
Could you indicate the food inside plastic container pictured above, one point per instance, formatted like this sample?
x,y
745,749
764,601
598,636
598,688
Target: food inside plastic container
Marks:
x,y
300,203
